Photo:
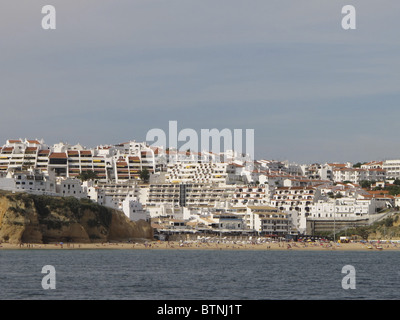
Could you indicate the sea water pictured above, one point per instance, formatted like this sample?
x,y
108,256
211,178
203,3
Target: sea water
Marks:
x,y
198,274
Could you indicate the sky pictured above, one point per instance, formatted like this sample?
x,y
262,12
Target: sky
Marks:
x,y
113,70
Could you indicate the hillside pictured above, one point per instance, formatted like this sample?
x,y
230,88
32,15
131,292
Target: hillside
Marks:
x,y
386,229
31,218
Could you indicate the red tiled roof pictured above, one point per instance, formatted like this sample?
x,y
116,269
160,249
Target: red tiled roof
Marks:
x,y
58,155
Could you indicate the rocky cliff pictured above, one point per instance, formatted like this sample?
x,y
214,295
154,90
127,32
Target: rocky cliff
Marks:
x,y
31,218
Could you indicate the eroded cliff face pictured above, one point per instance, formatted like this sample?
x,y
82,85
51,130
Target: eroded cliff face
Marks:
x,y
43,219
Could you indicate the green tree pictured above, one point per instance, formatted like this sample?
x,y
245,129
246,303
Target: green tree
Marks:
x,y
87,175
357,165
144,175
366,184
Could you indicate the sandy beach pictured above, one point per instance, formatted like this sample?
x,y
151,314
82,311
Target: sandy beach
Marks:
x,y
212,245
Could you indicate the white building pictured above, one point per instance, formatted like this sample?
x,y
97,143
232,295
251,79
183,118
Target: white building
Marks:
x,y
348,207
392,168
251,195
318,171
32,181
356,175
267,220
297,202
133,209
372,165
70,188
197,173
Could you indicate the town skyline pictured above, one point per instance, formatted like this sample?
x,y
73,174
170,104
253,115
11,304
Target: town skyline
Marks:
x,y
343,159
147,182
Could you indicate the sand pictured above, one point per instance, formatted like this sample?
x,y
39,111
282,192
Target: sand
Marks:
x,y
213,245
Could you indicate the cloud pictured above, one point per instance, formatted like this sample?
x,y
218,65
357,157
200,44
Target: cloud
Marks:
x,y
285,68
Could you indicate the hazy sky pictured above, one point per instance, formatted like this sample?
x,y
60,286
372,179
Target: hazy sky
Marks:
x,y
113,70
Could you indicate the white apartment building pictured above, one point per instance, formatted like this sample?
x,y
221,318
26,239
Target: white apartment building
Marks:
x,y
229,222
121,162
376,174
274,179
270,165
31,181
251,195
189,194
346,207
293,169
237,174
297,202
20,154
372,165
356,175
86,160
36,182
267,220
392,168
197,172
317,171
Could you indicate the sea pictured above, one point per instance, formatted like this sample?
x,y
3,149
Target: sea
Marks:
x,y
198,274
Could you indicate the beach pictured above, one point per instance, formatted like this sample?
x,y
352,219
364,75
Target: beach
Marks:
x,y
213,245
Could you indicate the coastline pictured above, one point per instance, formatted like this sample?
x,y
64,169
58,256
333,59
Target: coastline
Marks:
x,y
186,245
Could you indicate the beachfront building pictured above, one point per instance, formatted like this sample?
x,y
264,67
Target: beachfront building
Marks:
x,y
348,207
228,222
297,202
267,220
